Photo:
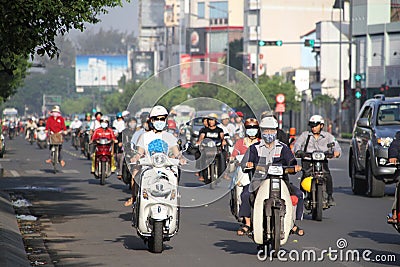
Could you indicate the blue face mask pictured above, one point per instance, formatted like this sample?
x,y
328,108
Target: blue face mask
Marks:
x,y
251,132
159,125
269,138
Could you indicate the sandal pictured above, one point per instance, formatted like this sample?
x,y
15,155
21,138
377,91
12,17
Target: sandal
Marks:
x,y
119,177
243,230
201,179
297,230
129,202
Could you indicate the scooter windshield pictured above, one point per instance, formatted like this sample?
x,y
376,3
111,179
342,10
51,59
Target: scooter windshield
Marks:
x,y
157,146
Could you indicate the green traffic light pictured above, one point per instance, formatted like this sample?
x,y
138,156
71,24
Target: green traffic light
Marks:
x,y
261,43
357,77
279,43
358,94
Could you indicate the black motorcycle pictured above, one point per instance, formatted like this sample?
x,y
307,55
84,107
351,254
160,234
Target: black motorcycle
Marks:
x,y
212,150
317,199
85,139
32,135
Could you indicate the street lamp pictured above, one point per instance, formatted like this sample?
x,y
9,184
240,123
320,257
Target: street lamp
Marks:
x,y
227,37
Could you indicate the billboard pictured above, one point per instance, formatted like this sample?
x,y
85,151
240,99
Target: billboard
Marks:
x,y
100,70
143,65
196,41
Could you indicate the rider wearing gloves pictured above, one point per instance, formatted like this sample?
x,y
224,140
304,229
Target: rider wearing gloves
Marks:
x,y
272,151
317,139
104,132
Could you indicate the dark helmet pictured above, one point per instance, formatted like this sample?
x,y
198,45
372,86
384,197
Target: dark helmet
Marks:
x,y
251,123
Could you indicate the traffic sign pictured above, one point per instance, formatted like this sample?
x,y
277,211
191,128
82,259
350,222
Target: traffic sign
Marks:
x,y
280,98
280,107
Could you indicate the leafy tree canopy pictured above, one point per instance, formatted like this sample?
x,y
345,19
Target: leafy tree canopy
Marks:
x,y
30,27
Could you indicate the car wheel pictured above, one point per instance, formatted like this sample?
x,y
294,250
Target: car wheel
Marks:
x,y
358,186
376,188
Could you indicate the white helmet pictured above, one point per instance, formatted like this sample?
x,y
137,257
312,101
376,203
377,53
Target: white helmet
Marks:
x,y
125,113
268,123
224,116
158,111
316,120
105,118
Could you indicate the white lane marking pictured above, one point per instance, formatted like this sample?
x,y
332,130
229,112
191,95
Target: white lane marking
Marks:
x,y
69,171
34,172
5,160
14,173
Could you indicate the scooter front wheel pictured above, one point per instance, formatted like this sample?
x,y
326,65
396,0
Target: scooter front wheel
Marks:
x,y
103,173
156,240
317,209
276,241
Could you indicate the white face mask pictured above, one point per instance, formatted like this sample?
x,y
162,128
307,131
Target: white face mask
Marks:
x,y
104,124
159,125
251,132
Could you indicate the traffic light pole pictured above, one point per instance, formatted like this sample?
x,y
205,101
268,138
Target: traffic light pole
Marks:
x,y
357,100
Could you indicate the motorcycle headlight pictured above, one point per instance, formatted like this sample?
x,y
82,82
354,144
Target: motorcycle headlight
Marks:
x,y
211,144
318,156
385,141
158,160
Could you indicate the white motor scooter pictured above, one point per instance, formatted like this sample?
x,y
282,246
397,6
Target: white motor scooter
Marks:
x,y
156,211
41,137
273,213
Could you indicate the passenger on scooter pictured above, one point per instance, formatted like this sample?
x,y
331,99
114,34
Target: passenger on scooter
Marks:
x,y
107,133
56,124
96,123
157,138
272,151
394,158
211,131
317,139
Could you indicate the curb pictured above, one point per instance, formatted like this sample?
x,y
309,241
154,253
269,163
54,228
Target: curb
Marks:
x,y
12,250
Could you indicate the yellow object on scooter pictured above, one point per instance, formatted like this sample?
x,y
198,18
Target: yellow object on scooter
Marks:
x,y
306,183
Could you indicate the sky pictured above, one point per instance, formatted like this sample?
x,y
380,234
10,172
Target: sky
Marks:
x,y
123,19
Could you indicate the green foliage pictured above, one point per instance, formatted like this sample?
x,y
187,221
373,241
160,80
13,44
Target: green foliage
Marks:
x,y
271,86
324,102
30,27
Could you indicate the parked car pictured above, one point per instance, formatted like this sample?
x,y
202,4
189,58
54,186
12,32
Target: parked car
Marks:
x,y
374,130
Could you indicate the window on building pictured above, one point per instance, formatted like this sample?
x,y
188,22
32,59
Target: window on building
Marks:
x,y
395,10
201,10
218,10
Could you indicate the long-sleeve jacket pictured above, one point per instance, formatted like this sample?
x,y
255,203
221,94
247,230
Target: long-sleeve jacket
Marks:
x,y
55,124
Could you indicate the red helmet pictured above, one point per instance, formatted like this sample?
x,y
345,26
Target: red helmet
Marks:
x,y
239,114
171,124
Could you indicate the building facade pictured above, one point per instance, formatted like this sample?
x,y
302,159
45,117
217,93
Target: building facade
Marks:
x,y
376,35
281,20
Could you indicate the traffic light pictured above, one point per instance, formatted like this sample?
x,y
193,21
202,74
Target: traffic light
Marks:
x,y
358,93
358,77
309,42
384,87
270,43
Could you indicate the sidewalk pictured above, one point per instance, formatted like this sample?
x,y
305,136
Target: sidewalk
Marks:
x,y
12,251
